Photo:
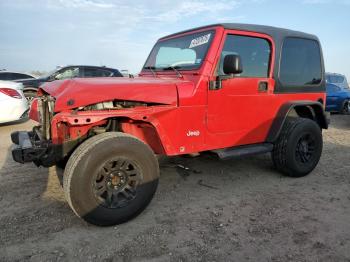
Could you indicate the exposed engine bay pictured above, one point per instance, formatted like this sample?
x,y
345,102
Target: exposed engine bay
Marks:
x,y
112,105
46,105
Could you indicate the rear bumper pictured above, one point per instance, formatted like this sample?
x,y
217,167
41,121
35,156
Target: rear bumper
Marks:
x,y
28,147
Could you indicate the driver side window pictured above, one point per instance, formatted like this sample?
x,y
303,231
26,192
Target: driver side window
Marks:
x,y
67,73
254,52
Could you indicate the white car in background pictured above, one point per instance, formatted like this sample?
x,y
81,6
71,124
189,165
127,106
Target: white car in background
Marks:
x,y
13,104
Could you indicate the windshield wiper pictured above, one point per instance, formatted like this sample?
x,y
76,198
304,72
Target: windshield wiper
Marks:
x,y
175,69
151,68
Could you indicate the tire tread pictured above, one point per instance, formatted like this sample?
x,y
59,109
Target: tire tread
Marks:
x,y
279,153
80,152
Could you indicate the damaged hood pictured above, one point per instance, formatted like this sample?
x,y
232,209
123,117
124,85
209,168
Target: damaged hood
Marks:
x,y
73,93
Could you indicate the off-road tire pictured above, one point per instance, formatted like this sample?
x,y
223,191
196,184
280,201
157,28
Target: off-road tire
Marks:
x,y
89,158
285,157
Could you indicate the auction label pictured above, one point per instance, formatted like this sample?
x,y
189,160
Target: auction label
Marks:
x,y
200,40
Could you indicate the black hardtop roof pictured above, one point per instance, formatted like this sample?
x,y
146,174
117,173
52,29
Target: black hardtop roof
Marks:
x,y
278,35
274,32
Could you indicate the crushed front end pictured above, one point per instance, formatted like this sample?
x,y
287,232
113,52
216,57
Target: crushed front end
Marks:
x,y
72,111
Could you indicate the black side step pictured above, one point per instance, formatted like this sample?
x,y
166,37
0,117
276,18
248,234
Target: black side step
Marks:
x,y
244,150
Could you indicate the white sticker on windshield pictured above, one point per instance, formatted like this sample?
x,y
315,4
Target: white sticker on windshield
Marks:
x,y
200,40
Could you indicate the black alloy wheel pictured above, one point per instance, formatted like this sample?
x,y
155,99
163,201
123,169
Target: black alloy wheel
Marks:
x,y
305,149
116,183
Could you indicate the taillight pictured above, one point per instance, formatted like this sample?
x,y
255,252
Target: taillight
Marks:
x,y
11,92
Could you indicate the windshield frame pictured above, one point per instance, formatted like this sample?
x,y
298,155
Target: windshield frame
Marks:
x,y
212,30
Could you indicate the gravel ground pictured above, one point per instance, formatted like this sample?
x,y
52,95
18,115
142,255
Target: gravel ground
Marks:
x,y
237,210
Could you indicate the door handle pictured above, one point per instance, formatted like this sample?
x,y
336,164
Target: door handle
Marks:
x,y
263,86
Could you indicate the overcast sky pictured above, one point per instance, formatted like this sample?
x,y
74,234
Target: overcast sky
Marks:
x,y
41,34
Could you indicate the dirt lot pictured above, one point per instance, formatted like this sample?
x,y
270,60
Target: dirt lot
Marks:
x,y
237,210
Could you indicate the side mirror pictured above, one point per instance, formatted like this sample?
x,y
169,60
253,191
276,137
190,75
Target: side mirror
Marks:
x,y
233,65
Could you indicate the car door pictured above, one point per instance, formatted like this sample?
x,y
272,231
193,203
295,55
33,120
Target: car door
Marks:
x,y
332,100
235,109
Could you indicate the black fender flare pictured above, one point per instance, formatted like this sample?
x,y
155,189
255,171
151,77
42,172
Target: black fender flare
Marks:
x,y
311,109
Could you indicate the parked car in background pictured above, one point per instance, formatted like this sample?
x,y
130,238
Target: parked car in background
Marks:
x,y
31,85
338,99
13,104
126,73
13,76
337,79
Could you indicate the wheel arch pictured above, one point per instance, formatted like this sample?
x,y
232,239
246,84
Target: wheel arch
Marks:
x,y
142,124
145,131
304,109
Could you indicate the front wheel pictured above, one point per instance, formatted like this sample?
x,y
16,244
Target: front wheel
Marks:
x,y
346,107
110,178
298,148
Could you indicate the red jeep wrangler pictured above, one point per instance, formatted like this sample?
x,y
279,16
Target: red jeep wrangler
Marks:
x,y
232,89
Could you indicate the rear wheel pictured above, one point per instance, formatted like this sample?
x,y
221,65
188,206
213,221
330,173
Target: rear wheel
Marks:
x,y
110,178
298,148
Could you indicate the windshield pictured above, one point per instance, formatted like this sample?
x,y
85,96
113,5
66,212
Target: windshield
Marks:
x,y
183,53
334,79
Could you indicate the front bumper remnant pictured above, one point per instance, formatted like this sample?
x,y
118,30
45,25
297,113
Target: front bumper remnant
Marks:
x,y
25,148
32,147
